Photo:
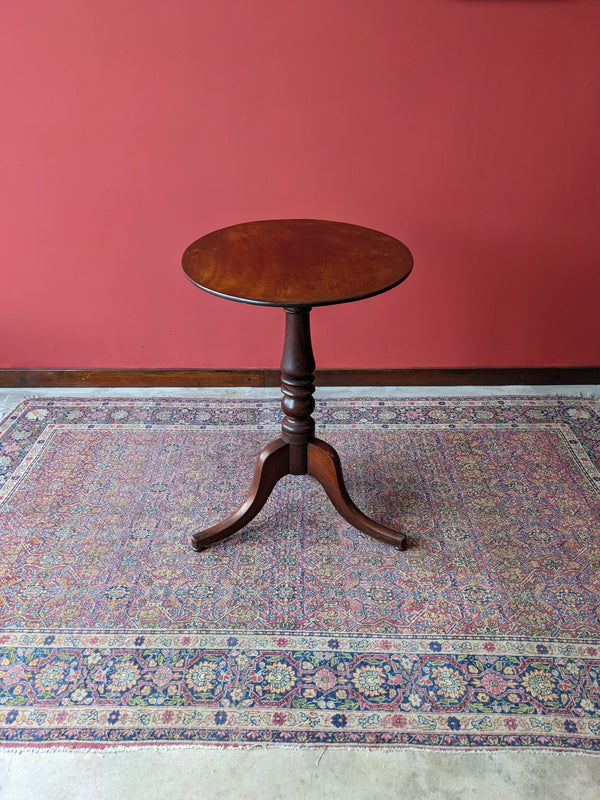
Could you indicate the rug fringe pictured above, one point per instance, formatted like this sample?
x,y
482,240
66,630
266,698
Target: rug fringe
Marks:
x,y
102,750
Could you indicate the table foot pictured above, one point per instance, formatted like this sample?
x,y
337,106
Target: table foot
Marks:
x,y
324,465
271,465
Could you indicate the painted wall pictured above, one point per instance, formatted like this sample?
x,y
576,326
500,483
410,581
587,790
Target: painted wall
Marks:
x,y
467,128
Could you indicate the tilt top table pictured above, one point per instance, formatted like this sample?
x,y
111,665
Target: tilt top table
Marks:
x,y
297,264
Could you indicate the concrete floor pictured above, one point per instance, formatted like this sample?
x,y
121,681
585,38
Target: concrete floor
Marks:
x,y
187,773
280,774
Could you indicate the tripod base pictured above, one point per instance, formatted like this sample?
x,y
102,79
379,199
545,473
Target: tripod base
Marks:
x,y
280,458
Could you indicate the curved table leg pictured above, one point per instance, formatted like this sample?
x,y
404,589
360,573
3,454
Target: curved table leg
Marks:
x,y
324,465
272,464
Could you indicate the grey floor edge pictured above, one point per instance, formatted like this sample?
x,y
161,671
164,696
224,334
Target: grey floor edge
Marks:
x,y
278,773
187,773
10,398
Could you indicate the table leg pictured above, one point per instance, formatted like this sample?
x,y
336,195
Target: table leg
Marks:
x,y
324,465
271,465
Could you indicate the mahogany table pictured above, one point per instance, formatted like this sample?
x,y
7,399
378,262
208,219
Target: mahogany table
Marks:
x,y
297,264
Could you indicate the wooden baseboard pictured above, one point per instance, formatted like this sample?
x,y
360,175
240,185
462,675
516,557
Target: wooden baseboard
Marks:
x,y
471,376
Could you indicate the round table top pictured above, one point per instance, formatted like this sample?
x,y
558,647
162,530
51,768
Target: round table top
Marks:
x,y
296,262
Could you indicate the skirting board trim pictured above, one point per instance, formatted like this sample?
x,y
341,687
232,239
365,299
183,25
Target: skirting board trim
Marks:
x,y
471,376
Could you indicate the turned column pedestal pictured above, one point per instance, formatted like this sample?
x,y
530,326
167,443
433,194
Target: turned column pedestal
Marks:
x,y
297,451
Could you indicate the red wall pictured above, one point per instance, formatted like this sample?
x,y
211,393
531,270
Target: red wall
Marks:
x,y
467,128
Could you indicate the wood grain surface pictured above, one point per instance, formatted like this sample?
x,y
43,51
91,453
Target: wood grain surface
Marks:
x,y
296,262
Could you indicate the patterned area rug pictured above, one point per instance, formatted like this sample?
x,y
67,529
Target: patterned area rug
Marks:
x,y
300,629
